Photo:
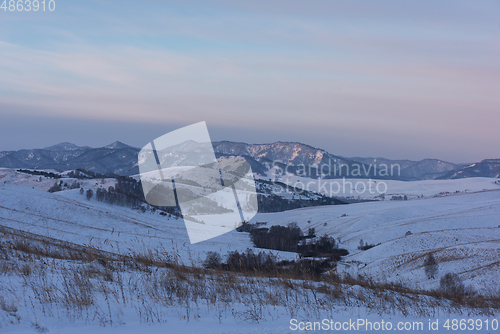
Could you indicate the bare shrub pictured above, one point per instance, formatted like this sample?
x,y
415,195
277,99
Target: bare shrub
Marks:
x,y
26,270
251,262
212,261
366,247
55,188
89,194
7,307
452,285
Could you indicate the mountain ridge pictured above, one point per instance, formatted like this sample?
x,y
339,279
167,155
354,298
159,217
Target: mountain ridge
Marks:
x,y
64,146
120,158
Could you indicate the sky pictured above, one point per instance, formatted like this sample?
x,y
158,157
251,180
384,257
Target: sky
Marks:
x,y
398,79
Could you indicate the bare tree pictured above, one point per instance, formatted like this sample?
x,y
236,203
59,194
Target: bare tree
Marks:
x,y
431,266
90,193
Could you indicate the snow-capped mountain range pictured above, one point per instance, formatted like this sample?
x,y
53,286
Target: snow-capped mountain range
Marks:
x,y
119,158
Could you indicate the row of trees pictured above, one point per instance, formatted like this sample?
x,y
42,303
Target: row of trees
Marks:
x,y
275,203
111,196
81,173
59,186
37,172
324,246
128,192
291,239
284,238
267,263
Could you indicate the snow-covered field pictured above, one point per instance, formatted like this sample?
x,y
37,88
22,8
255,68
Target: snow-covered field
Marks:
x,y
69,216
57,297
373,188
461,228
463,232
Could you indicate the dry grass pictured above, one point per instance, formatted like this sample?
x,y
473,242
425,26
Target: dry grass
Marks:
x,y
72,281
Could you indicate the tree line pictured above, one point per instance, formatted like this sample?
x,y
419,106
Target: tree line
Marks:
x,y
291,239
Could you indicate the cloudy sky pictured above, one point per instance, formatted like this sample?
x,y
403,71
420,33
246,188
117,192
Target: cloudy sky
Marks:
x,y
398,79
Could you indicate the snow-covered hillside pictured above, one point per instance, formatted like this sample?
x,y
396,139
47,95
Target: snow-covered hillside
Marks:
x,y
463,232
12,176
461,229
69,216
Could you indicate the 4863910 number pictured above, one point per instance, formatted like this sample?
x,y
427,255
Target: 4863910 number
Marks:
x,y
471,324
28,5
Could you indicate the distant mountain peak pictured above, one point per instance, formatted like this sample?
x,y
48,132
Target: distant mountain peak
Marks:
x,y
65,146
117,145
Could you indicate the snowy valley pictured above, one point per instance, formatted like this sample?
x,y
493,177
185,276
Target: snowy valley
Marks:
x,y
59,246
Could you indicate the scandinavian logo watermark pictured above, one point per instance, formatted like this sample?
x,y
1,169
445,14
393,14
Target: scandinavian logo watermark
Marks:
x,y
180,169
334,178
